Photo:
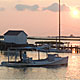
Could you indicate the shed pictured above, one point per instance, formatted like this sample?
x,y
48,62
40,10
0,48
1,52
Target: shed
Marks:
x,y
15,36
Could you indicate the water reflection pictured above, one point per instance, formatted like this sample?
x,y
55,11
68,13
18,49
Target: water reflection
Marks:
x,y
70,72
73,69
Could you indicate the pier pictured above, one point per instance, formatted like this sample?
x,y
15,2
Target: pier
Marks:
x,y
53,41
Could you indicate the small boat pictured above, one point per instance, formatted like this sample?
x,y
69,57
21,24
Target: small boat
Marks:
x,y
47,49
55,50
51,60
64,51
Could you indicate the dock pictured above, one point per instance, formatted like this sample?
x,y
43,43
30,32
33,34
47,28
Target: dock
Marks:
x,y
51,40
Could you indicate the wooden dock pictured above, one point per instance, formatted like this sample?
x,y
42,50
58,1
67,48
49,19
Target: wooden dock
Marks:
x,y
3,45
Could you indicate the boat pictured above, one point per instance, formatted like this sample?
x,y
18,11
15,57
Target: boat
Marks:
x,y
50,60
54,50
64,51
48,48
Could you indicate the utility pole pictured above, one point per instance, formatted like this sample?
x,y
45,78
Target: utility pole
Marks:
x,y
59,23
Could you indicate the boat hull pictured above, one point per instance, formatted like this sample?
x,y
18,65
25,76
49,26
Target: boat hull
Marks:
x,y
61,61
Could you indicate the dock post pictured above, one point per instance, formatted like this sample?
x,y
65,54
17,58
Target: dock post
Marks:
x,y
1,51
68,45
47,53
56,42
38,55
71,48
20,55
8,55
16,56
77,49
1,48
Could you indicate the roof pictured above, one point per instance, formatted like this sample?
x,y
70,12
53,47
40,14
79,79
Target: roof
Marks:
x,y
14,32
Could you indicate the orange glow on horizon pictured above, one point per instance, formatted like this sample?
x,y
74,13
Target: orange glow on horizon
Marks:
x,y
73,51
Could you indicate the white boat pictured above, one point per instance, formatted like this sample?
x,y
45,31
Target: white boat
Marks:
x,y
55,50
51,60
49,49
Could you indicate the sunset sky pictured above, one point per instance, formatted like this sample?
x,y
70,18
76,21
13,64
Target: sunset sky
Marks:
x,y
40,17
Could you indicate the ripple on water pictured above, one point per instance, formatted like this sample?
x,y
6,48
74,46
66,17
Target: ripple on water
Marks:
x,y
71,72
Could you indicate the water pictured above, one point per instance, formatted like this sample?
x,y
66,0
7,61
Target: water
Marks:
x,y
70,72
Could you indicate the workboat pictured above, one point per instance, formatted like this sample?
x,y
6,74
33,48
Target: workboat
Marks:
x,y
50,60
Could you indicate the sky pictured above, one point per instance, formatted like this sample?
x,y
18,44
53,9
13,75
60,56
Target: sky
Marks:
x,y
40,17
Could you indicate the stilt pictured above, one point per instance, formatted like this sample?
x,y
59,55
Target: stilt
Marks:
x,y
56,43
8,55
1,51
47,53
20,55
1,48
71,48
38,55
16,56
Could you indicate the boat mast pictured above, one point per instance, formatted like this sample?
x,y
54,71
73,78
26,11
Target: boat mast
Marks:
x,y
59,24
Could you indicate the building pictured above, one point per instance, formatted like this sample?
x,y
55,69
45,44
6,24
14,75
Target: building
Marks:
x,y
15,36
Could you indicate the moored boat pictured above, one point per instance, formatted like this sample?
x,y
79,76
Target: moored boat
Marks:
x,y
51,60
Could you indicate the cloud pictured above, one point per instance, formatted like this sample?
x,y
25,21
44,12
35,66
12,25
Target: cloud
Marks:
x,y
21,7
65,7
2,9
55,7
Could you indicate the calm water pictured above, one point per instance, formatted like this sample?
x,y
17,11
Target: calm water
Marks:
x,y
70,72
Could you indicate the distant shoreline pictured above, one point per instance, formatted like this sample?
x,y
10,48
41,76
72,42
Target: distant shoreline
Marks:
x,y
62,38
68,38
